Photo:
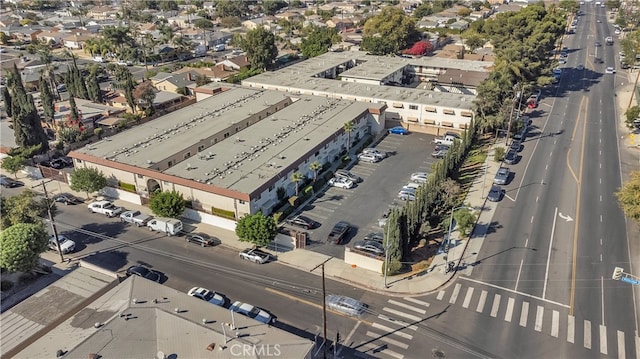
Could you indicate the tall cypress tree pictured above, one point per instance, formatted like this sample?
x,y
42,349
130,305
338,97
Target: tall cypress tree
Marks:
x,y
74,116
93,89
27,126
79,84
47,100
6,97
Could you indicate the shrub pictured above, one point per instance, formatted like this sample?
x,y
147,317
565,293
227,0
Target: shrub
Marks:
x,y
6,285
498,154
319,183
281,193
307,191
294,201
26,278
223,213
127,186
394,266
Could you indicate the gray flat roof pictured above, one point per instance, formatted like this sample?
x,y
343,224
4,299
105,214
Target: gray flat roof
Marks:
x,y
255,155
165,136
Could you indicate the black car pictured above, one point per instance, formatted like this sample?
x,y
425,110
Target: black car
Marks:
x,y
302,222
495,193
374,237
144,272
515,146
7,182
200,239
67,199
441,147
511,157
338,232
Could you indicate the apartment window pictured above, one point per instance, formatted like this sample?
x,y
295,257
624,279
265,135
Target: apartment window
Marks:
x,y
430,109
413,107
187,155
243,202
271,188
140,176
79,161
317,153
170,163
200,148
226,135
448,112
466,114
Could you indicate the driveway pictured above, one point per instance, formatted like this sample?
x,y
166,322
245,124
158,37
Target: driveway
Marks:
x,y
363,205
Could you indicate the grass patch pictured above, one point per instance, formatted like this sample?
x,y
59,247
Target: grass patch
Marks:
x,y
472,165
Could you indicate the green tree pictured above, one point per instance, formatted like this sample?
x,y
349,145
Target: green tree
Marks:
x,y
126,82
4,38
46,96
168,5
315,166
391,24
145,94
74,115
13,164
348,127
392,242
27,127
296,178
256,228
498,154
473,40
631,115
25,207
93,89
465,220
422,10
231,8
87,180
167,204
318,40
271,6
260,45
6,98
629,196
21,246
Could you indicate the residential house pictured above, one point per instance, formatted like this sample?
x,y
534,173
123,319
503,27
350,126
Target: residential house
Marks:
x,y
166,100
51,36
345,7
426,23
25,34
147,28
340,23
292,16
90,112
172,82
183,21
459,25
77,39
6,21
217,73
253,24
235,63
102,12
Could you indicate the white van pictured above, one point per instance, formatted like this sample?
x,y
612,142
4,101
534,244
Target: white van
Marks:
x,y
170,226
219,47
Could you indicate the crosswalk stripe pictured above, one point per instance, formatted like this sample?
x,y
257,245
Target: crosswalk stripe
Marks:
x,y
555,318
454,295
496,305
509,313
416,301
587,334
398,322
571,328
603,339
392,331
637,346
524,314
467,298
397,312
440,295
375,348
483,298
388,340
621,350
407,306
539,314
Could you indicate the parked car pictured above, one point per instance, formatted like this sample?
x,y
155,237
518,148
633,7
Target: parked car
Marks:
x,y
136,217
345,305
369,246
502,176
105,207
407,194
67,199
200,239
398,130
495,193
208,296
375,237
255,255
252,312
170,226
66,245
342,173
7,182
441,147
341,182
302,221
375,151
609,70
515,145
369,158
511,157
448,139
144,272
420,177
439,154
338,232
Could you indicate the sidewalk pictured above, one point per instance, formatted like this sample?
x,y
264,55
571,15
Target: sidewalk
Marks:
x,y
430,280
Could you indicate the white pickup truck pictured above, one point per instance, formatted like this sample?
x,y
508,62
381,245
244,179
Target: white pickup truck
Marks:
x,y
136,217
255,255
448,139
105,207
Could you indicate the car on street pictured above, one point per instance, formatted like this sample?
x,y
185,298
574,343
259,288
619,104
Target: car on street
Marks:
x,y
348,175
369,246
338,232
609,70
511,157
144,272
597,44
67,199
7,182
502,176
208,296
105,207
255,255
515,145
302,222
375,151
495,193
557,71
345,305
341,182
562,60
66,245
398,130
364,157
580,67
420,177
200,239
252,312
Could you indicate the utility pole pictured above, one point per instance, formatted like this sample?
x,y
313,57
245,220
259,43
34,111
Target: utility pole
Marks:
x,y
53,225
324,308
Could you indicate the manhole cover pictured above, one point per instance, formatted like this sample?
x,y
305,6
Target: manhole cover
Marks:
x,y
437,353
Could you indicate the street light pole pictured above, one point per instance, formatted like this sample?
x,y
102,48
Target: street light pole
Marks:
x,y
53,225
324,308
484,179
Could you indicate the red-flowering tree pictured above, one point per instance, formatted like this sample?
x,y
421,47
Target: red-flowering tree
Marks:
x,y
419,48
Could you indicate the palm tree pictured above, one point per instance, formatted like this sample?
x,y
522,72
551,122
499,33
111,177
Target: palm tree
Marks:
x,y
296,178
348,128
315,167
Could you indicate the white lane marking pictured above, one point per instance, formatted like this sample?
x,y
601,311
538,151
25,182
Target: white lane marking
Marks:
x,y
600,198
587,334
526,242
467,298
546,167
546,272
355,327
392,331
603,339
551,154
524,313
571,328
483,298
601,218
637,346
397,321
454,295
407,306
416,301
388,340
539,314
621,350
520,270
514,291
495,306
375,348
537,199
531,219
397,312
555,317
440,295
509,313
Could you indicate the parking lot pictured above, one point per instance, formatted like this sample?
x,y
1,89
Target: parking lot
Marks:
x,y
363,205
